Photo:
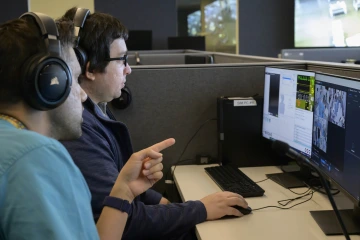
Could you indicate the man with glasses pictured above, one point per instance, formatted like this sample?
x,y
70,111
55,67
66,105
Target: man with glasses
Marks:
x,y
105,145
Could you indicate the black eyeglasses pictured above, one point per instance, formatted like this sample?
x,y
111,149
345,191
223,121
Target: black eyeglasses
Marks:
x,y
124,58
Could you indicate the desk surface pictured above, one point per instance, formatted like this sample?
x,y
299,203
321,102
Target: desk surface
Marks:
x,y
270,223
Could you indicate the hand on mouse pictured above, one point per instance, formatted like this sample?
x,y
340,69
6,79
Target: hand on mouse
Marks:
x,y
219,204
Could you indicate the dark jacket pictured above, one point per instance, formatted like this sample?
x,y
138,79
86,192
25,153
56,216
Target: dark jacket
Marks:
x,y
100,153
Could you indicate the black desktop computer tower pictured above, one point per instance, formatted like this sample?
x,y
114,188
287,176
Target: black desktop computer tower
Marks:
x,y
240,140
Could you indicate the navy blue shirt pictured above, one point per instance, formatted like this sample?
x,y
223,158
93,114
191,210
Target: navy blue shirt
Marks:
x,y
100,153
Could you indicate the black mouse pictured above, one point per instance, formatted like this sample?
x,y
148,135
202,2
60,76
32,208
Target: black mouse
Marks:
x,y
244,211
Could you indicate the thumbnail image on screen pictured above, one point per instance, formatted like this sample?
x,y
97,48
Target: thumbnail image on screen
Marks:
x,y
327,23
336,143
288,107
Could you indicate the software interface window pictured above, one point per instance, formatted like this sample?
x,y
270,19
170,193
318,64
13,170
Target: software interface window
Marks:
x,y
288,107
335,133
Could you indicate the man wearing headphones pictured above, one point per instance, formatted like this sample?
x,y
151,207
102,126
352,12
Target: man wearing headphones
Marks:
x,y
105,144
43,195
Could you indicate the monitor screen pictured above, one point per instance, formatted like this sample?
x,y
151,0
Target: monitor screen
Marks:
x,y
139,40
194,23
336,142
288,107
327,23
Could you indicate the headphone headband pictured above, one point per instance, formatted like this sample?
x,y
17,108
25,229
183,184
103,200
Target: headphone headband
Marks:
x,y
48,31
79,21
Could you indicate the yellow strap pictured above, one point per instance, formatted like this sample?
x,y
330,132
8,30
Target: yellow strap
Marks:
x,y
16,123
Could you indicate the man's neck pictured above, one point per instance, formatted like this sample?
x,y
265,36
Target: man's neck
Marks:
x,y
34,120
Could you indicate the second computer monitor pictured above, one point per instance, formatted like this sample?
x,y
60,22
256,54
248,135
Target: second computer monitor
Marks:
x,y
288,107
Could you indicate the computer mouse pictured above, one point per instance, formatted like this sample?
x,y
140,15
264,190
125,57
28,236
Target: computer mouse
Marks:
x,y
244,211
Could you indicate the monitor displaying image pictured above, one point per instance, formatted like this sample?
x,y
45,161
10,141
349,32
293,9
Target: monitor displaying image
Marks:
x,y
194,23
327,23
288,107
220,25
335,148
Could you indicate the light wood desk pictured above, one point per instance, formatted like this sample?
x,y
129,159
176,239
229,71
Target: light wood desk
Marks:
x,y
270,223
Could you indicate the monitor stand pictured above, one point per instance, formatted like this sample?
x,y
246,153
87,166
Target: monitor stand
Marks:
x,y
294,179
329,224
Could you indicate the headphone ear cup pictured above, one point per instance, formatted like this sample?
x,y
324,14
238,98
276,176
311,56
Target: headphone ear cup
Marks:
x,y
46,82
82,58
124,100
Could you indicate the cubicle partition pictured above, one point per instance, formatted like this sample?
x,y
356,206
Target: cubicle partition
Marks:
x,y
173,57
167,58
175,101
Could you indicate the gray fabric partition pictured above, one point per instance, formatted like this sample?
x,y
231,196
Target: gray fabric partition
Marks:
x,y
322,54
348,70
156,51
162,59
175,101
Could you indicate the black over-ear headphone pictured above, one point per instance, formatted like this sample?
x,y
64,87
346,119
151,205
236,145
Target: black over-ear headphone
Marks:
x,y
124,100
79,20
46,77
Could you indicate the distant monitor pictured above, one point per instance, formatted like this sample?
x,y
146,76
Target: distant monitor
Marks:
x,y
195,43
336,144
288,107
139,40
194,23
327,23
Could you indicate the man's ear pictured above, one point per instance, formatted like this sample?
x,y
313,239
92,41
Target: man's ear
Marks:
x,y
89,75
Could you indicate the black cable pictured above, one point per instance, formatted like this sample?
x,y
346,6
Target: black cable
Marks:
x,y
300,193
312,193
286,202
262,180
193,136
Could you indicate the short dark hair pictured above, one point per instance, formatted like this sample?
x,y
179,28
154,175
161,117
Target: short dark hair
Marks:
x,y
19,40
98,33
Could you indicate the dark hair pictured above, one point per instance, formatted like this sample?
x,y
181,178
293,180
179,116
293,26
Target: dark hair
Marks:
x,y
98,33
19,40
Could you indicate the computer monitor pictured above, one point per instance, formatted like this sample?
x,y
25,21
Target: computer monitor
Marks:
x,y
288,115
336,144
139,40
195,43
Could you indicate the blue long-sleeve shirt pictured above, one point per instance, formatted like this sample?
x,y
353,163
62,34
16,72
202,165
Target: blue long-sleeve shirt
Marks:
x,y
100,154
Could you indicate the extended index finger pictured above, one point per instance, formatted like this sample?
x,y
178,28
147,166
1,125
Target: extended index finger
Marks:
x,y
158,147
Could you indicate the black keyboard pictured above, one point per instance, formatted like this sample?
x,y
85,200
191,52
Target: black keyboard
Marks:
x,y
233,180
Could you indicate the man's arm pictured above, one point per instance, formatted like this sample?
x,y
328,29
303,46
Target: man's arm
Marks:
x,y
46,197
160,221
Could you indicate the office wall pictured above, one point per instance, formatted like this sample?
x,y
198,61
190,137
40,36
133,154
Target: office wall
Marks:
x,y
14,10
160,16
265,27
56,9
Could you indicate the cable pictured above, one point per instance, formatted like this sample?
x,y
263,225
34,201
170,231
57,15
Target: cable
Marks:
x,y
287,201
262,180
193,136
312,193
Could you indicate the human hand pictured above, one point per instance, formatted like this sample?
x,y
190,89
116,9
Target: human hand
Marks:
x,y
219,204
142,171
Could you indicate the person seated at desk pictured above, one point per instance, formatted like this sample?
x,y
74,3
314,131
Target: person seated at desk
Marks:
x,y
105,144
43,195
